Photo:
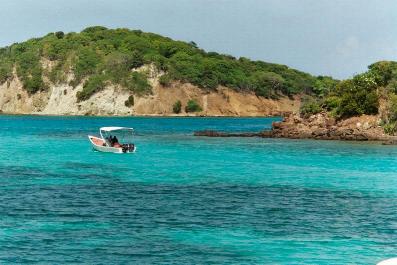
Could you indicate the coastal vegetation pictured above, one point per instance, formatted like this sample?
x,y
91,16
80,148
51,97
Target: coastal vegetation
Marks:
x,y
130,101
193,106
177,107
98,57
310,106
373,92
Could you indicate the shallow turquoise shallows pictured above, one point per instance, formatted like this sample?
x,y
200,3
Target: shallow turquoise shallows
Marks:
x,y
187,200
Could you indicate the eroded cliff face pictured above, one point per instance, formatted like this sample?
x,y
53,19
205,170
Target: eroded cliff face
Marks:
x,y
60,99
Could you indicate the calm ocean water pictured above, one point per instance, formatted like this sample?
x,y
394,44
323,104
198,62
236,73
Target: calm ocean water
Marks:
x,y
187,200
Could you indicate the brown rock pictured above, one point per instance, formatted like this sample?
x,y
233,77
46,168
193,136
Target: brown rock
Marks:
x,y
322,126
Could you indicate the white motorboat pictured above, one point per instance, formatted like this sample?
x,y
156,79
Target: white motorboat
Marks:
x,y
109,140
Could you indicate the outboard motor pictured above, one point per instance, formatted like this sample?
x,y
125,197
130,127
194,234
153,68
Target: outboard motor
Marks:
x,y
131,147
128,147
124,148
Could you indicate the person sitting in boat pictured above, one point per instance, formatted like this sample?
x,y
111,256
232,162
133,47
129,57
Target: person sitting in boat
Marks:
x,y
116,142
109,140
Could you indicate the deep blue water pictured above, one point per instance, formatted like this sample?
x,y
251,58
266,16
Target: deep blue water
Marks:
x,y
187,200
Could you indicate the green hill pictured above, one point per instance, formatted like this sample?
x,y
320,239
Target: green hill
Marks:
x,y
99,56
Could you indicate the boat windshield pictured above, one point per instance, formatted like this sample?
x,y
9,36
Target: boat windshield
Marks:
x,y
122,136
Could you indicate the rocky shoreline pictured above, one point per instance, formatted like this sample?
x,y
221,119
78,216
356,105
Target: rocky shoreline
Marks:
x,y
212,133
320,127
324,127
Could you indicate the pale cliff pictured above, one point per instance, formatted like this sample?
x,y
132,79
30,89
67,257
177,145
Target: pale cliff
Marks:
x,y
60,99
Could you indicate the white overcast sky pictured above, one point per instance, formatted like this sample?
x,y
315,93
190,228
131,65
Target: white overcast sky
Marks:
x,y
327,37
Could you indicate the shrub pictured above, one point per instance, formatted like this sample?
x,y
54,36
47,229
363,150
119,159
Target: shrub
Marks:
x,y
5,71
310,107
392,86
332,102
94,29
87,61
129,102
390,128
177,107
267,83
30,71
390,120
392,109
357,96
383,71
135,60
165,80
138,83
192,106
34,83
94,84
59,34
116,66
324,85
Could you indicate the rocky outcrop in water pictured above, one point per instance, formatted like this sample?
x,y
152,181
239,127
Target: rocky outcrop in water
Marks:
x,y
211,133
320,126
323,126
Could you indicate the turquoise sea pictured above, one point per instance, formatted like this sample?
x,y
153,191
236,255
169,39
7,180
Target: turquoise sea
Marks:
x,y
187,200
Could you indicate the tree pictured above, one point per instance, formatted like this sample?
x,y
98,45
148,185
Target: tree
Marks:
x,y
165,80
138,83
135,60
94,29
192,106
357,96
323,85
94,84
309,107
267,84
177,107
383,71
130,101
59,34
87,61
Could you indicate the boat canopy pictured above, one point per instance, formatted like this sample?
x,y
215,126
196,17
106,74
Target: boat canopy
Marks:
x,y
111,129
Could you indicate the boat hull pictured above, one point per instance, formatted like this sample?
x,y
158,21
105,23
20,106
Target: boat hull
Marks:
x,y
99,145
